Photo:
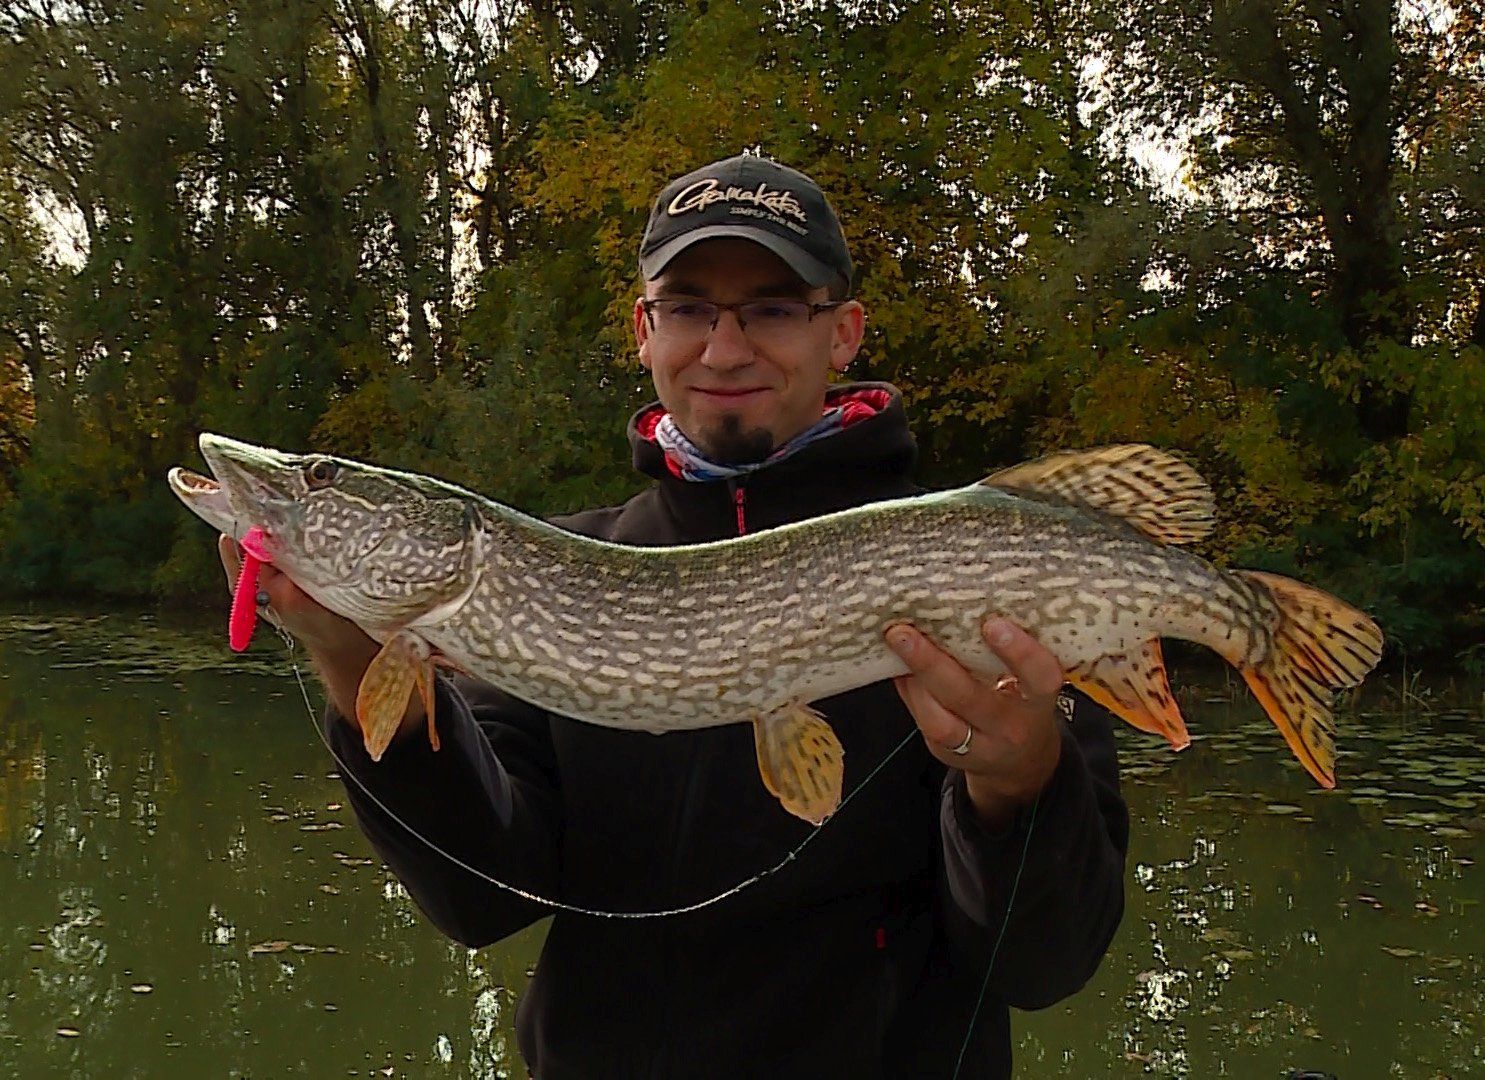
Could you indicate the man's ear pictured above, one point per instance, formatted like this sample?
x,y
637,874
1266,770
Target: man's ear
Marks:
x,y
642,332
849,328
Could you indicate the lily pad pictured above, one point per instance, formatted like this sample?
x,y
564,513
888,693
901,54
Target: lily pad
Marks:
x,y
1219,933
1459,802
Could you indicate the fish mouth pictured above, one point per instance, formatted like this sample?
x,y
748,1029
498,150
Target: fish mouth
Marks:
x,y
205,498
194,486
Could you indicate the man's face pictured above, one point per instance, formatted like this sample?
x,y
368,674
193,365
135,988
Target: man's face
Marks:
x,y
734,398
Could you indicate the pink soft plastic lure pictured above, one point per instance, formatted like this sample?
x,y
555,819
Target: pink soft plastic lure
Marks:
x,y
244,615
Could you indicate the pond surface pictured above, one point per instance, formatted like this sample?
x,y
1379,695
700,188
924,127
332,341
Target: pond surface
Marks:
x,y
184,890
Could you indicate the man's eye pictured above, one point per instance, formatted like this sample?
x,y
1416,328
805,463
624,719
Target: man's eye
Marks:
x,y
690,309
774,309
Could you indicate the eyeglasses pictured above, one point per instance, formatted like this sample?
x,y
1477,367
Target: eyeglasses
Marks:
x,y
765,322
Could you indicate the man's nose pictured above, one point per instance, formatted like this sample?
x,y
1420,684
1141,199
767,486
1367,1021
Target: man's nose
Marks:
x,y
727,346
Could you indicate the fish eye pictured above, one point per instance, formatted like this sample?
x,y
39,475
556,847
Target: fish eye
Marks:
x,y
320,473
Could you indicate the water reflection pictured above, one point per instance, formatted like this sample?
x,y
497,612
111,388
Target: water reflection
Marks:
x,y
185,890
186,886
1273,925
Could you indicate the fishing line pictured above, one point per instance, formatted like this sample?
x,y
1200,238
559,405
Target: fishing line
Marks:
x,y
686,908
559,904
1010,905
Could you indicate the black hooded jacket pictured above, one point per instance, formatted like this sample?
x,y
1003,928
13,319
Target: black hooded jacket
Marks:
x,y
864,956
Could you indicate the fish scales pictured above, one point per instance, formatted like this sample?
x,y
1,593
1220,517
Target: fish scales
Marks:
x,y
788,621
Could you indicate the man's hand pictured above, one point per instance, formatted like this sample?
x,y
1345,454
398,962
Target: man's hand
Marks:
x,y
1009,731
341,650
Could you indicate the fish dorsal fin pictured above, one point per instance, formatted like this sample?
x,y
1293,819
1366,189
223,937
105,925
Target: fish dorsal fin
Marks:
x,y
1155,492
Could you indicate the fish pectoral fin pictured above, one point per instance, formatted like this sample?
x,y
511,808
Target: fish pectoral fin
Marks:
x,y
424,676
387,687
1155,492
801,761
426,687
1135,689
440,660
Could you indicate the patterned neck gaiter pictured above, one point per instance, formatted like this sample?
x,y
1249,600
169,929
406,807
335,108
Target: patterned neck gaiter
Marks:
x,y
686,460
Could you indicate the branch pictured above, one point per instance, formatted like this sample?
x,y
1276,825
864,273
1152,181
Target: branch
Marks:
x,y
1272,70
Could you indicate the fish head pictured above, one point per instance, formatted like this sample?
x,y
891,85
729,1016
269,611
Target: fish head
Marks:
x,y
377,546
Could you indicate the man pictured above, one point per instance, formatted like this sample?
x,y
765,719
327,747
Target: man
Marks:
x,y
999,833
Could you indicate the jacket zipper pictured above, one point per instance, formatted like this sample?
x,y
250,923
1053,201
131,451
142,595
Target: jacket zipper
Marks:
x,y
739,504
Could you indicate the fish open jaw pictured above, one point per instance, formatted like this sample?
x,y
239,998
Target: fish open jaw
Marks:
x,y
205,498
193,484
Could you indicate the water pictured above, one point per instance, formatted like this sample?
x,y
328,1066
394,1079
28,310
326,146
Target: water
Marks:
x,y
185,891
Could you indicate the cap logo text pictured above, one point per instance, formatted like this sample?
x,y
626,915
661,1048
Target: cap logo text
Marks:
x,y
704,193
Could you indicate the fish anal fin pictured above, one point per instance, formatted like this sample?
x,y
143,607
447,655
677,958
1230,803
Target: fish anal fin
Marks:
x,y
801,761
1135,689
401,666
1149,489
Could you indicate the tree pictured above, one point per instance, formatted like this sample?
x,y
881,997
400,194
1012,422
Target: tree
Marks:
x,y
1333,218
391,229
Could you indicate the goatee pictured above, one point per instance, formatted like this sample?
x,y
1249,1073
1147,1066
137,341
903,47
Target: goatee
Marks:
x,y
731,444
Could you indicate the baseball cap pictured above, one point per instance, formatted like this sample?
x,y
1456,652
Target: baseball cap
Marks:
x,y
756,199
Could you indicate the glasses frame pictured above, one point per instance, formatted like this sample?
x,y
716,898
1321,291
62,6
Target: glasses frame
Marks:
x,y
646,303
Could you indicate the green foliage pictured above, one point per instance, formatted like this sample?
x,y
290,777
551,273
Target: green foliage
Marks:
x,y
25,295
86,520
533,411
17,416
407,232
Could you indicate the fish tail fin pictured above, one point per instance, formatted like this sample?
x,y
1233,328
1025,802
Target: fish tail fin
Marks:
x,y
1321,645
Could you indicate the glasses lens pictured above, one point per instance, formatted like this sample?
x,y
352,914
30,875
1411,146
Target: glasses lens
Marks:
x,y
682,319
773,322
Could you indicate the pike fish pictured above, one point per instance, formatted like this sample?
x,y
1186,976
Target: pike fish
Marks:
x,y
1081,548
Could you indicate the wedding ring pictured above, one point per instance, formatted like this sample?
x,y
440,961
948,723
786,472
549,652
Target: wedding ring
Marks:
x,y
963,748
